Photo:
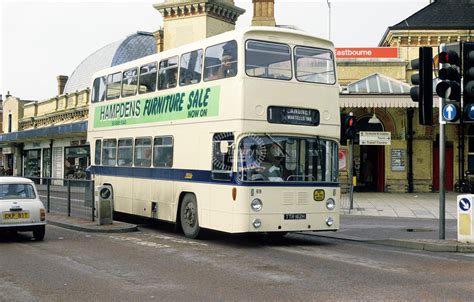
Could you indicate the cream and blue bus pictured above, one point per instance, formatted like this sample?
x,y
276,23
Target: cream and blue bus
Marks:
x,y
236,133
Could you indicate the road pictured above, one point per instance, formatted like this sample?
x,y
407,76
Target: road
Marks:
x,y
158,264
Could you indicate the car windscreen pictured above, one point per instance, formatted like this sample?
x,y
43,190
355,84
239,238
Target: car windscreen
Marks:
x,y
16,191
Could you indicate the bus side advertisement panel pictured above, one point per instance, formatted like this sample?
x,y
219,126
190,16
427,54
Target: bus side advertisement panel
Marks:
x,y
197,103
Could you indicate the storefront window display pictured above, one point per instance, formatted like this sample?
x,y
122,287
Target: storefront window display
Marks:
x,y
76,160
32,164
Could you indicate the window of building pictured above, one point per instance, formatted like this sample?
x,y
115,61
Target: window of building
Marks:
x,y
143,152
47,162
147,82
9,123
109,152
190,68
98,149
124,152
98,90
220,61
222,159
268,60
32,164
113,85
168,73
314,65
163,151
76,161
129,82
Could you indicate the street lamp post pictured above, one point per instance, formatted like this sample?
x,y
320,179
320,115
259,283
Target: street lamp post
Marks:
x,y
329,19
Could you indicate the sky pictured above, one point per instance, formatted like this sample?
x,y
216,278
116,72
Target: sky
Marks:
x,y
40,40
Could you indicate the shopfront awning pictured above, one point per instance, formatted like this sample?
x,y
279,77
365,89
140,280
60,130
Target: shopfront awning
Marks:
x,y
59,131
379,101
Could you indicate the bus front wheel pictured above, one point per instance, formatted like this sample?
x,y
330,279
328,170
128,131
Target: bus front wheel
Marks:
x,y
189,216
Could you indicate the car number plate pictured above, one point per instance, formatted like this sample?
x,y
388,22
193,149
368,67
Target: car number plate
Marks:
x,y
17,215
294,216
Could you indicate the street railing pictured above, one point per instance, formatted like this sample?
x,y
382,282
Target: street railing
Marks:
x,y
73,197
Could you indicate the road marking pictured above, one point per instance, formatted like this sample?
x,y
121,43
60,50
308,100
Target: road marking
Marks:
x,y
138,241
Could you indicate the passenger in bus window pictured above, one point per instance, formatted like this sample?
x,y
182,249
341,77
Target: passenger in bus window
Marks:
x,y
227,68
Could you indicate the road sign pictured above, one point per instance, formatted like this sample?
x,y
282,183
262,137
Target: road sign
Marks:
x,y
464,204
465,219
375,138
470,111
450,112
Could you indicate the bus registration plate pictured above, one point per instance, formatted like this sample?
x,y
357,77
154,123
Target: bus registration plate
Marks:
x,y
294,216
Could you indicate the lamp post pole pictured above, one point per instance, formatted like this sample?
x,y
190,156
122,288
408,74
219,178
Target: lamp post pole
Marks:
x,y
329,19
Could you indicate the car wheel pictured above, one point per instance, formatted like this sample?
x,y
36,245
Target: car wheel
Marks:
x,y
39,233
189,216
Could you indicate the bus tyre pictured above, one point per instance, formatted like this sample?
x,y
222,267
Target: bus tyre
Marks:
x,y
39,233
189,216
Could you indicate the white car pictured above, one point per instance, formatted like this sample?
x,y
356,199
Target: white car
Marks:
x,y
20,207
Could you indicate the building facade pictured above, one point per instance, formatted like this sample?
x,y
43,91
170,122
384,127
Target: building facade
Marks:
x,y
411,162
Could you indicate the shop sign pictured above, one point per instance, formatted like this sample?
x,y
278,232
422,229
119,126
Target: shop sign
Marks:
x,y
375,138
367,53
398,159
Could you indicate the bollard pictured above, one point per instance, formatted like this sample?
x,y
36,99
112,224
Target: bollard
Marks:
x,y
465,221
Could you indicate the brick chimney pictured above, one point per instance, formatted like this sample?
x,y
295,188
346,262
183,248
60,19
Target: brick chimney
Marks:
x,y
263,13
62,80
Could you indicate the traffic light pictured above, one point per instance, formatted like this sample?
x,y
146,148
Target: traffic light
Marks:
x,y
468,76
422,92
350,126
449,87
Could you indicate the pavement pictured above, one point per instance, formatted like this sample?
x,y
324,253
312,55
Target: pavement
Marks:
x,y
404,220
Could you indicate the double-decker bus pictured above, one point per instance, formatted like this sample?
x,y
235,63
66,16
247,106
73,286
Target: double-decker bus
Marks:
x,y
236,133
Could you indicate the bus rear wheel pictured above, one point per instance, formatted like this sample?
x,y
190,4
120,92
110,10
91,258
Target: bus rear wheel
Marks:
x,y
189,216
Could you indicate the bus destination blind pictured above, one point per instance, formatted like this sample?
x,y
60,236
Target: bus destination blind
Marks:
x,y
293,116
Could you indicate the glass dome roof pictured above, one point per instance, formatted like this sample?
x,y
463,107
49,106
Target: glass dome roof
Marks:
x,y
133,47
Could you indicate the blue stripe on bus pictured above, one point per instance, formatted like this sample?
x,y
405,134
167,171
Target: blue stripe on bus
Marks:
x,y
189,175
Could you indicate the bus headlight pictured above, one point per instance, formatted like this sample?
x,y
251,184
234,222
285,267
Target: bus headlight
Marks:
x,y
329,221
256,205
257,223
330,204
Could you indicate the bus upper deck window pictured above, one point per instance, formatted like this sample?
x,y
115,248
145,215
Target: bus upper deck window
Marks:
x,y
220,61
129,82
147,80
168,74
314,65
98,90
113,85
190,68
268,60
